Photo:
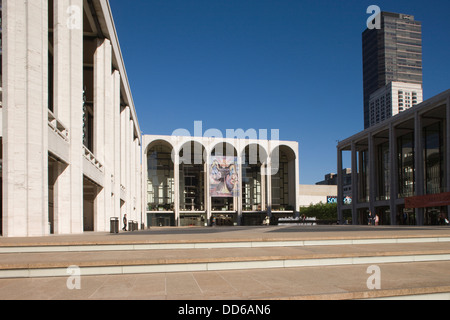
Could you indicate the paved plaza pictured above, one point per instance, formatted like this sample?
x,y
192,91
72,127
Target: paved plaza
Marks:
x,y
249,263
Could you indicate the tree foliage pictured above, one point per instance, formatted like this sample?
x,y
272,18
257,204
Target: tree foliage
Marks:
x,y
320,211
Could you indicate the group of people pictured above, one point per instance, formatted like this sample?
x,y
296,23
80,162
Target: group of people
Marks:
x,y
374,219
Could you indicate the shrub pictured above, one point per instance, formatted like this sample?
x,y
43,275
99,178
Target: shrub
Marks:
x,y
320,211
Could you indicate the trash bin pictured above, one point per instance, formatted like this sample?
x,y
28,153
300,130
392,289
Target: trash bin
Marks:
x,y
114,225
130,225
135,226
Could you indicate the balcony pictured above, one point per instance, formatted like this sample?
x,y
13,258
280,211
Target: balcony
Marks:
x,y
88,155
57,127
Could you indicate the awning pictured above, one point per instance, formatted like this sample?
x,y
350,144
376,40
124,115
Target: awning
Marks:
x,y
427,201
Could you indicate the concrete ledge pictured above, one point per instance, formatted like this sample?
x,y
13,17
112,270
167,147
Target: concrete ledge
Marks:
x,y
208,245
59,269
433,293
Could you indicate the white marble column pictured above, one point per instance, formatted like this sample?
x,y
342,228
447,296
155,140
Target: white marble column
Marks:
x,y
68,108
25,118
117,142
103,119
176,175
138,181
127,183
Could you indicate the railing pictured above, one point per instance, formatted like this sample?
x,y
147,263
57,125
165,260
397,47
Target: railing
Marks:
x,y
90,156
57,126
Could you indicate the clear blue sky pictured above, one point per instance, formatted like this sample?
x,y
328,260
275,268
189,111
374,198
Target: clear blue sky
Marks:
x,y
290,65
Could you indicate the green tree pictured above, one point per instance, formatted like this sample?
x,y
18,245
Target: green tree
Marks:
x,y
320,211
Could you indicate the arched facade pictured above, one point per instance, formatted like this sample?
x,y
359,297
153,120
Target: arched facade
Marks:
x,y
204,181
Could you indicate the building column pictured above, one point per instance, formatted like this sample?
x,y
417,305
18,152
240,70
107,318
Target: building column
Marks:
x,y
355,184
372,174
128,140
269,185
117,142
447,147
138,181
25,118
208,205
176,175
124,171
103,135
144,173
393,173
340,193
68,108
238,200
418,165
263,186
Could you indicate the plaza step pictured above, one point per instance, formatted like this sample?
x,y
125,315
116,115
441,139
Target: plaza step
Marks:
x,y
141,258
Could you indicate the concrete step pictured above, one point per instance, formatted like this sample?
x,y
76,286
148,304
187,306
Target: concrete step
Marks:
x,y
140,245
229,256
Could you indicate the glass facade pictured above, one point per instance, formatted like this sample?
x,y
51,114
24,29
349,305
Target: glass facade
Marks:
x,y
434,158
192,185
252,180
406,173
280,185
409,167
161,182
363,174
384,169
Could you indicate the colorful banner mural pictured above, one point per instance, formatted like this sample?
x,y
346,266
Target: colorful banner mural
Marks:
x,y
224,177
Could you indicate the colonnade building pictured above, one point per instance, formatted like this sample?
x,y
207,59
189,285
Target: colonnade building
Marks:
x,y
198,181
400,168
70,137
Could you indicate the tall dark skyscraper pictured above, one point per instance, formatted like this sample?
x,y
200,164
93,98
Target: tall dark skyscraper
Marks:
x,y
391,53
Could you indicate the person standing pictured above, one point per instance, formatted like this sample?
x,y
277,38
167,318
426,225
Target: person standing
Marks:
x,y
124,222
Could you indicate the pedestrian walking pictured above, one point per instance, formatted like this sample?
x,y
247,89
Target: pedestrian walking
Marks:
x,y
124,222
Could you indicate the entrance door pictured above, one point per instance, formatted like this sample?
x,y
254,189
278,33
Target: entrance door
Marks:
x,y
90,192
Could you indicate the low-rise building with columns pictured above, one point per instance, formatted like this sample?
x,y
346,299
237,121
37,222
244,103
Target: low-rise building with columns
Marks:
x,y
198,181
400,168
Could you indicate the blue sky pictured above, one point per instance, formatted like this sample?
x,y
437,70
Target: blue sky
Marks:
x,y
290,65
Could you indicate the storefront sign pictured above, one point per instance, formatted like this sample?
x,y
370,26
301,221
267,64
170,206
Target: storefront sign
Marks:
x,y
427,201
346,201
331,200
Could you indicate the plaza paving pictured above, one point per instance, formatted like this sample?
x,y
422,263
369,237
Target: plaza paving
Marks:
x,y
282,262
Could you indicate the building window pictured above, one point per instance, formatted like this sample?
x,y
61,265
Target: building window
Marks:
x,y
383,171
283,172
406,175
252,180
363,175
192,178
161,184
434,158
